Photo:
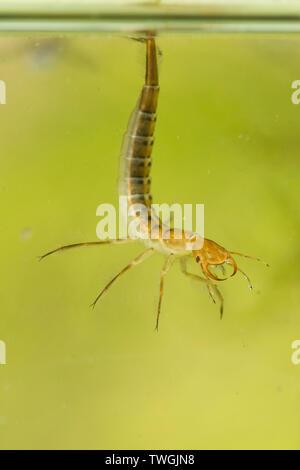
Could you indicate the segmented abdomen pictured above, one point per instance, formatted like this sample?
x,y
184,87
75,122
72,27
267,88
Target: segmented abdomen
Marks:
x,y
135,159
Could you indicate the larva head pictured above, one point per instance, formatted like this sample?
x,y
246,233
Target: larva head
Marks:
x,y
212,254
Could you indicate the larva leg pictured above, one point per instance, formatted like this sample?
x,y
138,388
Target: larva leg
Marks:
x,y
211,287
208,283
136,260
168,264
221,299
77,245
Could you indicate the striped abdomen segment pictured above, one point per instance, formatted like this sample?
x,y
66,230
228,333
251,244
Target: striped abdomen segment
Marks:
x,y
135,161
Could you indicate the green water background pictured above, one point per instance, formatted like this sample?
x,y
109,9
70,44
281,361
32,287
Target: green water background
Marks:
x,y
227,136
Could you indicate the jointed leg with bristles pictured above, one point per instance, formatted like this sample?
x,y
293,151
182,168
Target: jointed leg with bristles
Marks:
x,y
211,287
170,260
77,245
136,260
197,278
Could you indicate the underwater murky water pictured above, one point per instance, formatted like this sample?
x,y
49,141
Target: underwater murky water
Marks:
x,y
227,136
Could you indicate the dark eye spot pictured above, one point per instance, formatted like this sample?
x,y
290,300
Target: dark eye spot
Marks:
x,y
198,259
